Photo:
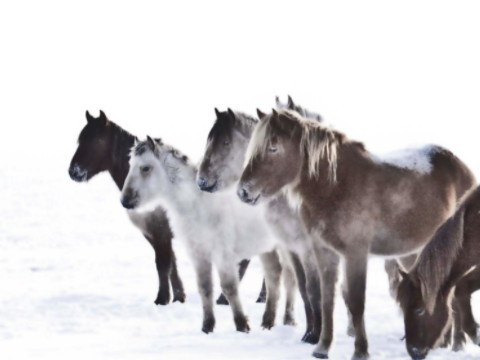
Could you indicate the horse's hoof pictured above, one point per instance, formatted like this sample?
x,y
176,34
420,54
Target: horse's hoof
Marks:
x,y
311,337
458,346
162,299
222,300
242,324
320,355
289,320
179,296
208,325
268,321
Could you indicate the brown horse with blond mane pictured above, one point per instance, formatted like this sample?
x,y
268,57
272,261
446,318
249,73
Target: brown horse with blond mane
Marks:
x,y
351,200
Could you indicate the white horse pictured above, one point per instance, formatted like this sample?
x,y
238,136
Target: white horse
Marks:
x,y
218,230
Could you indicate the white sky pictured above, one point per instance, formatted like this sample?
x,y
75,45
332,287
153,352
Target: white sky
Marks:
x,y
388,73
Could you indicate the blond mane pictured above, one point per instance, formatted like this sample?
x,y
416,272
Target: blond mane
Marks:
x,y
317,142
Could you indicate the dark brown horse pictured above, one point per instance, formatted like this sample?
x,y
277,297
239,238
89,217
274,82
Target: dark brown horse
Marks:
x,y
356,203
105,146
443,279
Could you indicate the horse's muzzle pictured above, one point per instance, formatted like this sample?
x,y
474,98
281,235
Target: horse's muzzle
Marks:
x,y
203,185
128,202
245,196
417,354
77,173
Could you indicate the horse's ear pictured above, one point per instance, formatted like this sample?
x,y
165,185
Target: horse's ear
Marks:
x,y
151,143
102,118
217,113
274,113
158,141
277,100
89,117
231,113
291,104
135,141
260,114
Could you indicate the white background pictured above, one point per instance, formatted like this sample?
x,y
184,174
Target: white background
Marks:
x,y
390,74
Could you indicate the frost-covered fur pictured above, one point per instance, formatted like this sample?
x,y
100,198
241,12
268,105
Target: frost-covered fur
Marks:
x,y
220,171
217,229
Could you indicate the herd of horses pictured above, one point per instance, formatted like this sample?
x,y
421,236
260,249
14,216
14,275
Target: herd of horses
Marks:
x,y
307,200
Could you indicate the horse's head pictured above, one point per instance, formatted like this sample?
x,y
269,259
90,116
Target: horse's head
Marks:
x,y
273,160
153,166
94,153
223,160
424,329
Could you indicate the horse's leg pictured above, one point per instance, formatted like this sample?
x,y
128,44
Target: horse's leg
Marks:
x,y
229,283
163,262
355,278
315,300
327,263
272,270
459,339
469,325
177,284
290,284
203,269
242,268
302,286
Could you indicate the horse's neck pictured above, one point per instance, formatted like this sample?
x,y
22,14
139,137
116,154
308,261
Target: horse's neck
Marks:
x,y
182,194
352,168
122,143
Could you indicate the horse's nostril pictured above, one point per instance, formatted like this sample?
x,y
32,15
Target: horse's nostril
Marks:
x,y
244,193
201,182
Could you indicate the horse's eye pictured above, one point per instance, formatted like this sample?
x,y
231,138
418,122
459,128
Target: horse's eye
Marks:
x,y
145,169
272,149
226,143
420,311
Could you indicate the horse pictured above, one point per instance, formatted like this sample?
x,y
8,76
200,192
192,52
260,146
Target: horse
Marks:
x,y
351,200
215,228
220,170
438,289
104,146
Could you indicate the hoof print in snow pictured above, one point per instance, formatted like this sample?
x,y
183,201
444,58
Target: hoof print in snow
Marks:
x,y
320,355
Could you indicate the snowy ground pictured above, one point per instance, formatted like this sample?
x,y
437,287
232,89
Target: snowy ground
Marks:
x,y
79,282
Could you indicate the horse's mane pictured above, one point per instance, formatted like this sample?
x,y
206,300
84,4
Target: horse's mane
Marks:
x,y
290,105
151,145
317,142
228,120
436,260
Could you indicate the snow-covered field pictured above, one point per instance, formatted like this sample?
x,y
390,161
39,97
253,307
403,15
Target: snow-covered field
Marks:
x,y
78,281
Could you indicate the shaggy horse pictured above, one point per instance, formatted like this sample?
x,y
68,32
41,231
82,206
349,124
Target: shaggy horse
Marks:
x,y
350,200
104,146
445,276
221,169
216,229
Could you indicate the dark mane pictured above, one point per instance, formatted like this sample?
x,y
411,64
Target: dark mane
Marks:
x,y
226,122
222,127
